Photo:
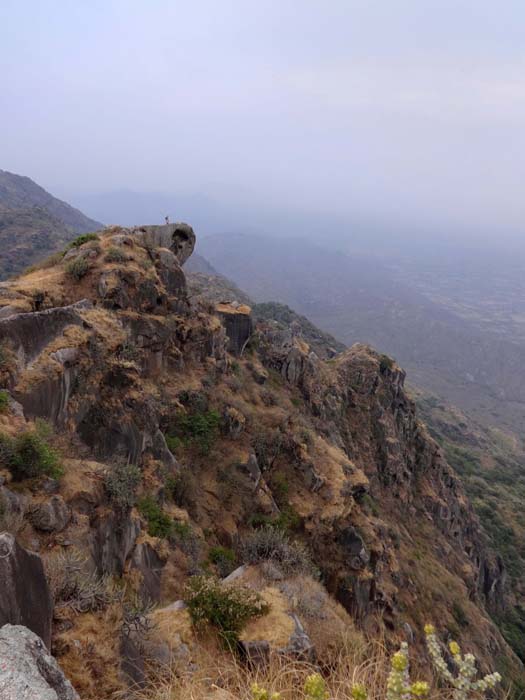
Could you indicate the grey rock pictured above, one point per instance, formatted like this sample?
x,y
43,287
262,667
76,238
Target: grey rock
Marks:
x,y
29,333
50,516
146,560
132,662
112,541
238,326
27,670
170,272
300,645
179,238
26,598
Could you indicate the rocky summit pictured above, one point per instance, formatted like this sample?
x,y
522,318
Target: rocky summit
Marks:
x,y
158,449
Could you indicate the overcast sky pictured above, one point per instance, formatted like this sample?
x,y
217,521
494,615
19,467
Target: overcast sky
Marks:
x,y
407,110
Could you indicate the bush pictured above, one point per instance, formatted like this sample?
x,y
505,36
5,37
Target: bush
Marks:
x,y
29,455
227,608
181,488
198,429
385,363
223,558
73,586
78,268
83,238
4,401
271,544
159,523
121,484
115,255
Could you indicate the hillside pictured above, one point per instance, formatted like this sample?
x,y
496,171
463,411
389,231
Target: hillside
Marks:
x,y
33,223
491,464
467,346
177,454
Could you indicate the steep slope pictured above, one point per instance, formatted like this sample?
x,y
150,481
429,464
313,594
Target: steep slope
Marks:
x,y
491,464
365,299
33,223
177,450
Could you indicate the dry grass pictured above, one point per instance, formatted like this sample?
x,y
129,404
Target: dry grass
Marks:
x,y
225,677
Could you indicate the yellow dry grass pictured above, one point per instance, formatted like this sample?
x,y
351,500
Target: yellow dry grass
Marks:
x,y
222,676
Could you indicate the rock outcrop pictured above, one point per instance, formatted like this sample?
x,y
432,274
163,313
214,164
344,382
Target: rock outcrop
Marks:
x,y
219,443
27,670
238,323
25,599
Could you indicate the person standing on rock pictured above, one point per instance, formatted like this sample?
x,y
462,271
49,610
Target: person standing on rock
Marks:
x,y
167,219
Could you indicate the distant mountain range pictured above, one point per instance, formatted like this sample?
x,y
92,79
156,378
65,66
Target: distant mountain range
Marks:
x,y
33,223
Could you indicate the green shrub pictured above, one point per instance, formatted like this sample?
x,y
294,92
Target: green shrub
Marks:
x,y
198,429
223,558
29,455
4,401
83,238
159,523
173,442
115,255
385,363
227,608
121,484
78,268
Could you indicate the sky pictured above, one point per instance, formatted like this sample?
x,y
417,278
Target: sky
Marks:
x,y
404,111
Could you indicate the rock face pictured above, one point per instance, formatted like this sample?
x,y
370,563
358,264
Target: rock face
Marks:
x,y
26,599
332,450
27,670
29,333
238,323
178,238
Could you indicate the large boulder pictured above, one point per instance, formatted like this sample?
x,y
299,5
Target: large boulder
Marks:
x,y
50,516
27,670
25,597
179,238
29,333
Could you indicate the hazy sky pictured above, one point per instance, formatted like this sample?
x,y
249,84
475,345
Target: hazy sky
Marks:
x,y
405,109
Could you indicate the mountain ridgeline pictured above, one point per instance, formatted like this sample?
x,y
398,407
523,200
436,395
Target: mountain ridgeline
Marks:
x,y
153,428
33,223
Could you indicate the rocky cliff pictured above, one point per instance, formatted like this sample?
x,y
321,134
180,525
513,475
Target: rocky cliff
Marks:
x,y
181,428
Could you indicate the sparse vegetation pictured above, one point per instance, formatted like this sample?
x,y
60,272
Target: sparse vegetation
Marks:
x,y
181,488
463,683
385,363
121,482
83,238
78,268
4,401
199,429
115,255
73,586
271,544
223,558
29,455
226,608
159,523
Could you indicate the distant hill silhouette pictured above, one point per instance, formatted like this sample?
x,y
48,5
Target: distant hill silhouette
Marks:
x,y
33,223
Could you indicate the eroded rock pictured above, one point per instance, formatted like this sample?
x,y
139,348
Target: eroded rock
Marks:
x,y
25,598
237,320
27,670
